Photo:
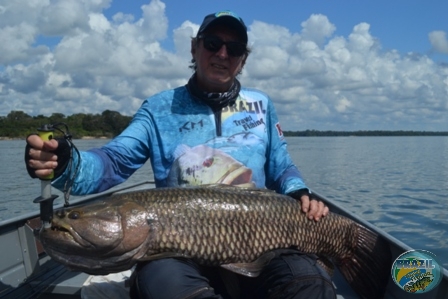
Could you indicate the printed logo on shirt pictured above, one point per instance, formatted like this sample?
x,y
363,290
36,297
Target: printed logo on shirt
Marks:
x,y
245,114
249,123
190,126
279,130
242,105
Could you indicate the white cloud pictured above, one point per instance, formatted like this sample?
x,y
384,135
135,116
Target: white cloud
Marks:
x,y
317,29
349,81
121,18
317,79
16,41
63,17
342,104
439,41
154,22
182,39
360,39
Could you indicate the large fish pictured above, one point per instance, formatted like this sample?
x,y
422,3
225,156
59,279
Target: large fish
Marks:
x,y
217,225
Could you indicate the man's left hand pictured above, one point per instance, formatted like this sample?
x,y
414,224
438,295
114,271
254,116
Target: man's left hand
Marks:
x,y
314,209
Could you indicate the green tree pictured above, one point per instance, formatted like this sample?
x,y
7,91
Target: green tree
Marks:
x,y
113,122
18,116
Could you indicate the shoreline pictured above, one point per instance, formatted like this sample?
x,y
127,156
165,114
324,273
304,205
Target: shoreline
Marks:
x,y
92,137
82,138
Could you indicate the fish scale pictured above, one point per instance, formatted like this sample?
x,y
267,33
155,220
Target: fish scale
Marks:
x,y
238,214
217,225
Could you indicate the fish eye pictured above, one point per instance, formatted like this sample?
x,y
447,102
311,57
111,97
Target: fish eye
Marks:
x,y
208,162
74,215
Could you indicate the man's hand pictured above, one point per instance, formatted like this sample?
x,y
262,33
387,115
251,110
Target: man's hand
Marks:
x,y
314,209
38,156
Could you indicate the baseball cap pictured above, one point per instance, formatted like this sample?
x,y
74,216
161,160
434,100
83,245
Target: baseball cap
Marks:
x,y
226,18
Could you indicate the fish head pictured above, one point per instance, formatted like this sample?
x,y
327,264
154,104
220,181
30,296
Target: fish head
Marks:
x,y
84,237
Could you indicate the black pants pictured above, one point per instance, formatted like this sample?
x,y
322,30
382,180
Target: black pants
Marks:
x,y
287,276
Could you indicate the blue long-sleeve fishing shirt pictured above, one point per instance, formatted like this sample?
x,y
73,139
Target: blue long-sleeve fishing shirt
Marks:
x,y
189,144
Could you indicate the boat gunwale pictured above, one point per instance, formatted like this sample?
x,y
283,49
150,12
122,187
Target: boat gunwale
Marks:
x,y
395,244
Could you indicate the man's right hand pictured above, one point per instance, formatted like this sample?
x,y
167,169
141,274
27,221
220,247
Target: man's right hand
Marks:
x,y
40,158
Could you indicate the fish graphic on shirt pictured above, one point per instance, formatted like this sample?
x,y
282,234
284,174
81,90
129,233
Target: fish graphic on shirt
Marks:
x,y
203,164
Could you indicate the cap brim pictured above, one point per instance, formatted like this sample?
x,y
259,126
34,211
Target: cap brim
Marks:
x,y
231,22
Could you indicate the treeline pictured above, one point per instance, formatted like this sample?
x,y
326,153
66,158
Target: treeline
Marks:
x,y
18,124
316,133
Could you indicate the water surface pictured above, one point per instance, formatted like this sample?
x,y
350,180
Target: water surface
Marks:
x,y
399,184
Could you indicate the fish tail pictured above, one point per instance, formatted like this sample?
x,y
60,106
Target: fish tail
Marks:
x,y
367,270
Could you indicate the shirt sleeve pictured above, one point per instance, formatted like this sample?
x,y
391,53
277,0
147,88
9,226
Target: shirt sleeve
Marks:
x,y
281,173
102,168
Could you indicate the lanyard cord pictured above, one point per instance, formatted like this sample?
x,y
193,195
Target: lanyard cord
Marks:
x,y
71,179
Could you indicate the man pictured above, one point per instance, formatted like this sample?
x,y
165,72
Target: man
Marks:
x,y
209,131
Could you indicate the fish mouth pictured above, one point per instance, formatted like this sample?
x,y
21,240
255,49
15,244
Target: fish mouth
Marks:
x,y
67,234
237,176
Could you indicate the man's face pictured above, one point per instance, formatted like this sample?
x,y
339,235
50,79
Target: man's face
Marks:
x,y
217,70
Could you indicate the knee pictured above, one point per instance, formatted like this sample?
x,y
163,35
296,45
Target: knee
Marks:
x,y
169,278
297,276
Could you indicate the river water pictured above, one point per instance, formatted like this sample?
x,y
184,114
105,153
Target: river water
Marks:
x,y
399,184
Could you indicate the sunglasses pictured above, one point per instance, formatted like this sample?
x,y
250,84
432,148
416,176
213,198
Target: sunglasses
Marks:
x,y
213,44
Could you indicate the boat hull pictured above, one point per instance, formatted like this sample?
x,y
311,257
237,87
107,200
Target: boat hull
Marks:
x,y
26,271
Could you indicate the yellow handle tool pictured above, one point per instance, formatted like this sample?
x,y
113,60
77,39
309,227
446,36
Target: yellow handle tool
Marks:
x,y
46,134
46,199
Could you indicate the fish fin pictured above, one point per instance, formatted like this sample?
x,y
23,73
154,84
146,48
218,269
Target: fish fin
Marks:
x,y
367,270
180,150
252,269
249,187
163,255
219,186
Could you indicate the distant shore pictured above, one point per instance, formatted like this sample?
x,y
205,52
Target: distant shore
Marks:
x,y
83,137
310,133
93,137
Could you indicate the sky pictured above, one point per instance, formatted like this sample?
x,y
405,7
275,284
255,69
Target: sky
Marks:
x,y
341,65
